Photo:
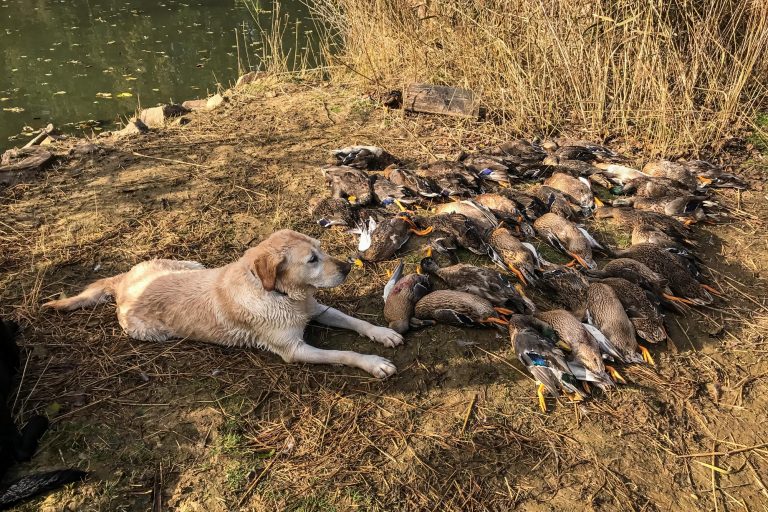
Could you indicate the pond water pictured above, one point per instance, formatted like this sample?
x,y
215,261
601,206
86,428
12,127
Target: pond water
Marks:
x,y
82,64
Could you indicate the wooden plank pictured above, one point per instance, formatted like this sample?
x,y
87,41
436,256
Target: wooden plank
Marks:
x,y
441,99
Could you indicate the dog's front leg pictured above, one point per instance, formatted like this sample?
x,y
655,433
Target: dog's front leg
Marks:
x,y
331,317
377,366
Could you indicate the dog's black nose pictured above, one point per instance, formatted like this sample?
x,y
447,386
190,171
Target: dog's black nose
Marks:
x,y
344,267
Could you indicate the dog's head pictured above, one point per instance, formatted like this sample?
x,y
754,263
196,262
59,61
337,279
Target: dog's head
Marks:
x,y
288,261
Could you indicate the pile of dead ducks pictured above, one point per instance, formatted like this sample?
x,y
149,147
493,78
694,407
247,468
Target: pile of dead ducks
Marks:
x,y
569,324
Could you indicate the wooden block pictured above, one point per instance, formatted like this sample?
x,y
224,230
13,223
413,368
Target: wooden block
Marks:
x,y
441,99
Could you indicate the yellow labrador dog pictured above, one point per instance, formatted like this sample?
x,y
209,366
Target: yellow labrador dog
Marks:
x,y
264,299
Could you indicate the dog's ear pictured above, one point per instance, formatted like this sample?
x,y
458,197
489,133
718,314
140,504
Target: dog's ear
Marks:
x,y
266,264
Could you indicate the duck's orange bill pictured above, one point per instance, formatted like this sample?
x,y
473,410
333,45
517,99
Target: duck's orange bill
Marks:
x,y
599,203
495,320
504,311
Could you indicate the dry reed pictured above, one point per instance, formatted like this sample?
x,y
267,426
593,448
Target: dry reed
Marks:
x,y
676,75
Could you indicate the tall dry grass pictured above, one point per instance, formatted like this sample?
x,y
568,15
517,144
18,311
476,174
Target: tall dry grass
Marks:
x,y
676,74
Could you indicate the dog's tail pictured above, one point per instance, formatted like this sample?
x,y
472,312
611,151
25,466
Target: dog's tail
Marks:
x,y
30,486
96,293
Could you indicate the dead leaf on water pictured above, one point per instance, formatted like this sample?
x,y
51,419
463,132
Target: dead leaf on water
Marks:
x,y
124,95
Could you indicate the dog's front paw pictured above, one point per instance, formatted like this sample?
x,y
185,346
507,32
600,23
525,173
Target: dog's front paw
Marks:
x,y
379,367
385,336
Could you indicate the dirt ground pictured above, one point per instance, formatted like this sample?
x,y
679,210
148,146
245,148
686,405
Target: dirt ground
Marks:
x,y
194,427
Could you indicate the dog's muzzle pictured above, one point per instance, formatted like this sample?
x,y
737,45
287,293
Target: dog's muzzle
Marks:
x,y
344,267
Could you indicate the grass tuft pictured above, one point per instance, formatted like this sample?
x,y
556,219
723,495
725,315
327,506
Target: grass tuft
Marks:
x,y
677,75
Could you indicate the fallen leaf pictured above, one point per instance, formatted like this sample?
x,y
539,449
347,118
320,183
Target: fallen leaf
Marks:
x,y
124,95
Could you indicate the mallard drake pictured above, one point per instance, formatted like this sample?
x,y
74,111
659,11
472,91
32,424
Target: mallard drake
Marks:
x,y
425,187
577,190
482,216
584,348
535,344
648,186
713,176
362,157
349,183
459,308
529,205
512,255
556,202
379,241
606,312
450,230
642,312
505,209
400,297
685,287
454,178
629,218
480,281
568,237
687,207
387,193
672,170
566,288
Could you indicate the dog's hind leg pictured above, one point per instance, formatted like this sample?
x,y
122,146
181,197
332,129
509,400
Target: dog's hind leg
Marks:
x,y
96,293
375,365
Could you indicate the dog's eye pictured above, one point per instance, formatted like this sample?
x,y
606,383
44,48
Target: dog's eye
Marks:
x,y
313,259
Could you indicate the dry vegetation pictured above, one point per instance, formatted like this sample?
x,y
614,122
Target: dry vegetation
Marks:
x,y
192,427
677,75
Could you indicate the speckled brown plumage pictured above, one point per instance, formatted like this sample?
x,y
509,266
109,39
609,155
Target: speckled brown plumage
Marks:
x,y
514,255
644,315
661,261
566,236
605,311
455,308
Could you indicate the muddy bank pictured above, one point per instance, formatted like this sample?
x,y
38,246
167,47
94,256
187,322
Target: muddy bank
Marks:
x,y
207,428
